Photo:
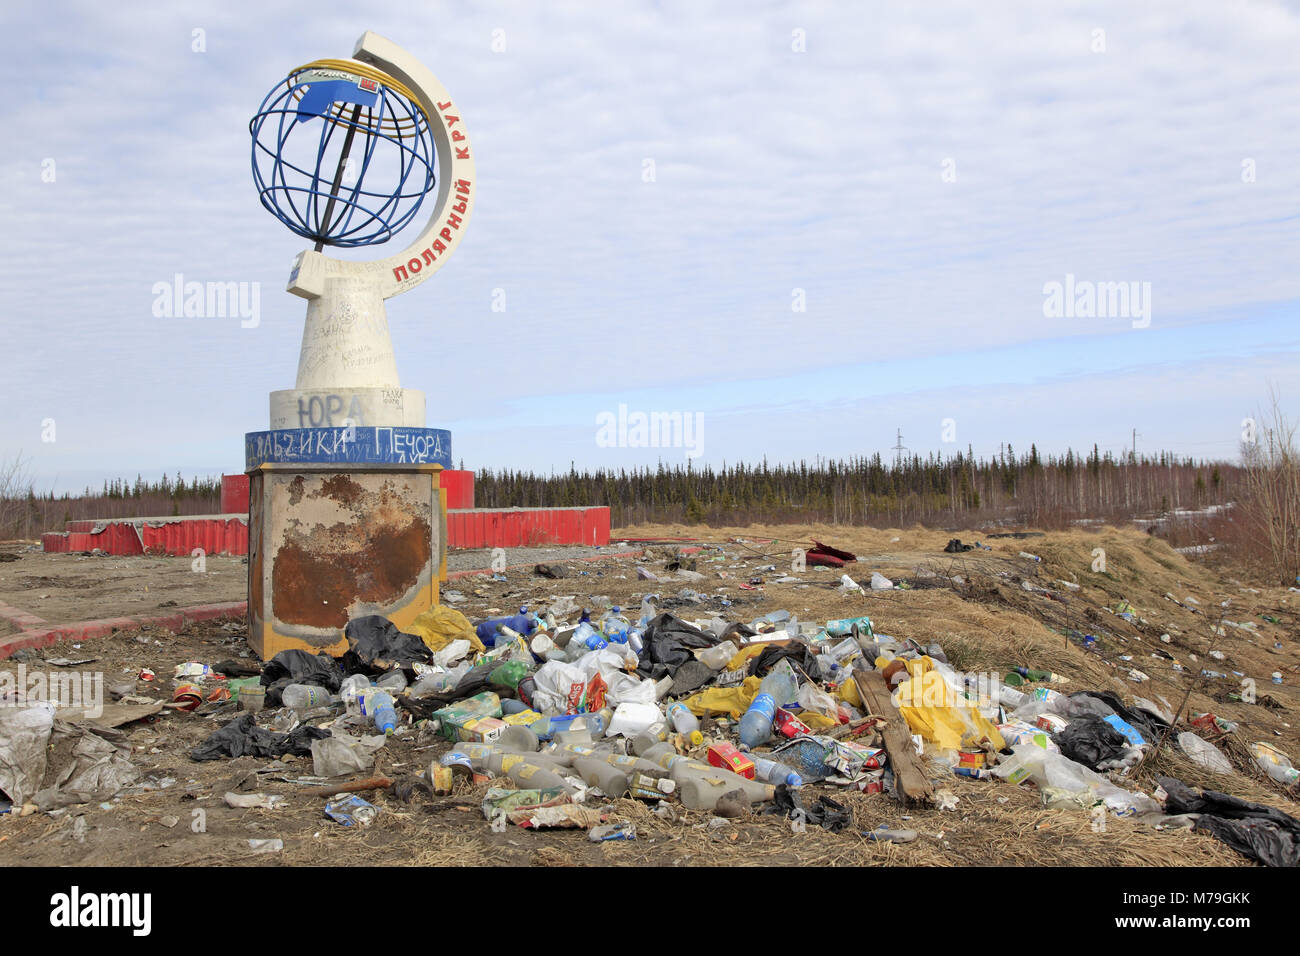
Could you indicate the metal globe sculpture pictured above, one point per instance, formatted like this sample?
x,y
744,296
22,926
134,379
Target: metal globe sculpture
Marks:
x,y
342,153
345,481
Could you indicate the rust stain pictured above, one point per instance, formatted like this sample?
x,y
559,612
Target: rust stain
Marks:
x,y
343,490
375,558
295,490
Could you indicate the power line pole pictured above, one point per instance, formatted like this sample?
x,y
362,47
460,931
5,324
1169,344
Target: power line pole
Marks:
x,y
898,451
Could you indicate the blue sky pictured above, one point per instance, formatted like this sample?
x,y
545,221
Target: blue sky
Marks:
x,y
919,171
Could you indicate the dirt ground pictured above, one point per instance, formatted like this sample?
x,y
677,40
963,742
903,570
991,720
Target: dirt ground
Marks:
x,y
988,621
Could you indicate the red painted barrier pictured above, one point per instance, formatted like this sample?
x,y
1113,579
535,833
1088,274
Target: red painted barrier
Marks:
x,y
460,488
234,495
527,527
216,534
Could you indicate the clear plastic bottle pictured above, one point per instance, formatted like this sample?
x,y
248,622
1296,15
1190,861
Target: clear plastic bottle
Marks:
x,y
304,697
648,609
614,625
355,692
440,682
394,681
718,655
385,714
586,638
781,683
547,727
686,723
773,771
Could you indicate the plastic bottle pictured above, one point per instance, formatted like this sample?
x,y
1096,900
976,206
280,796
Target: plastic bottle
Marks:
x,y
645,740
385,714
394,681
718,655
663,686
440,682
523,623
614,625
702,792
585,639
781,683
756,725
773,771
508,674
519,739
686,723
844,651
648,610
612,781
304,697
847,625
547,727
636,638
357,692
526,772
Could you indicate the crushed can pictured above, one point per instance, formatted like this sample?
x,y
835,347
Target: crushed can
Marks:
x,y
351,811
189,696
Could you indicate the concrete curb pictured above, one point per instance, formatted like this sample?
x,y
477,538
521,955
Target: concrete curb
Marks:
x,y
175,620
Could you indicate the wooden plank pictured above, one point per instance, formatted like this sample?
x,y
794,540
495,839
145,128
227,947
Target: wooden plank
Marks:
x,y
909,775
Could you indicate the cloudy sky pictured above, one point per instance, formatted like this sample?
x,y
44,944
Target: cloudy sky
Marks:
x,y
854,213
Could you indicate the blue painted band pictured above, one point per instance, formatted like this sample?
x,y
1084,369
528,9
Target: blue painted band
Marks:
x,y
356,444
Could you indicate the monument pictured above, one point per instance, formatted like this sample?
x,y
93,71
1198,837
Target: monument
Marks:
x,y
346,512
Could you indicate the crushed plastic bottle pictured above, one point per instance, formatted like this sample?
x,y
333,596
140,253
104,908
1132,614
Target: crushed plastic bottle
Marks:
x,y
304,697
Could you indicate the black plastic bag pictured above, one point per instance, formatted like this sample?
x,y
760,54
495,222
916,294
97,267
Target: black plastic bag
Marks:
x,y
668,644
1091,741
690,676
1151,727
825,812
303,668
796,652
375,646
1264,834
243,738
299,667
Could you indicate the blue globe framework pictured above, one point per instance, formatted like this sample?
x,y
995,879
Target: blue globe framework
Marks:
x,y
372,123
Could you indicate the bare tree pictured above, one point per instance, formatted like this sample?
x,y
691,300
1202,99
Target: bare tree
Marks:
x,y
15,487
1272,488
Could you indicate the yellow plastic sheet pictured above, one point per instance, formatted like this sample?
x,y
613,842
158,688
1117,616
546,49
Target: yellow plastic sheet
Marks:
x,y
440,625
940,715
743,656
724,700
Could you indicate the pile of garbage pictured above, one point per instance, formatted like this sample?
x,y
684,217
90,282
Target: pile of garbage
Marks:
x,y
560,713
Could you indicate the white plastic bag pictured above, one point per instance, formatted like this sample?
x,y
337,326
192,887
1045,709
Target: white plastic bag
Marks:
x,y
24,734
631,719
1203,753
452,653
339,754
628,688
553,681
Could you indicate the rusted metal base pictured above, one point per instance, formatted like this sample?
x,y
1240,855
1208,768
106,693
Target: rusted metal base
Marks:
x,y
330,543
